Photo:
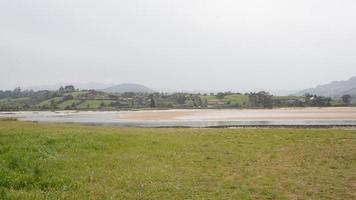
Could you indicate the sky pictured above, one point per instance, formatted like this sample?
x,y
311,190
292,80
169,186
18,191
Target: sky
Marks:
x,y
178,45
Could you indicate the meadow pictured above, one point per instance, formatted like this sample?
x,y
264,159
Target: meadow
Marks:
x,y
59,161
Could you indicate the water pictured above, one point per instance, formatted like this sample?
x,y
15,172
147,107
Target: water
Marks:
x,y
116,118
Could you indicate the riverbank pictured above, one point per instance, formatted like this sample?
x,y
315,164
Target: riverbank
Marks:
x,y
285,117
310,113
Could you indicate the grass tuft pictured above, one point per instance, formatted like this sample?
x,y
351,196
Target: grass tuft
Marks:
x,y
8,119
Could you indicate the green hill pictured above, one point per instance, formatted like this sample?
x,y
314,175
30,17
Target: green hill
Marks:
x,y
129,87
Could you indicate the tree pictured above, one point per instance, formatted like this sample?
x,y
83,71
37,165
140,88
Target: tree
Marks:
x,y
17,90
180,98
266,99
253,99
260,99
205,103
346,99
69,88
61,90
152,102
197,101
220,95
314,100
16,93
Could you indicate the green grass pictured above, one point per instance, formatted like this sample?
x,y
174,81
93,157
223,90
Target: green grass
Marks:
x,y
8,119
239,99
17,102
48,102
93,104
67,103
208,97
78,93
22,99
49,161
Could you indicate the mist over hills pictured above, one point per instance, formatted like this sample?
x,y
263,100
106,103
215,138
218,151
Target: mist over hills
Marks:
x,y
335,89
105,87
136,96
128,87
85,86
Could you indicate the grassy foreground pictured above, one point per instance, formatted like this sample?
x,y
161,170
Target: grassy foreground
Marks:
x,y
52,161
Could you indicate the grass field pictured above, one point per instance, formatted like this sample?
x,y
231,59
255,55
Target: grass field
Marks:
x,y
93,104
51,161
233,99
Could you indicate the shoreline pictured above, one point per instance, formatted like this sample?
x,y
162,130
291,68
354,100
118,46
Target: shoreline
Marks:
x,y
307,113
280,117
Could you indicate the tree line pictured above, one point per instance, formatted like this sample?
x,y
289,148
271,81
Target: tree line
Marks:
x,y
19,99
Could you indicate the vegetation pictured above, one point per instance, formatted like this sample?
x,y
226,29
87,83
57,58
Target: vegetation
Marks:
x,y
346,99
69,98
8,119
48,161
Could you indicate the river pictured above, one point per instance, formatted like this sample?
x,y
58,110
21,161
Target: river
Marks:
x,y
331,116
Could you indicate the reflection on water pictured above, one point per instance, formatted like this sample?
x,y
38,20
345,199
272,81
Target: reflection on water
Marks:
x,y
113,118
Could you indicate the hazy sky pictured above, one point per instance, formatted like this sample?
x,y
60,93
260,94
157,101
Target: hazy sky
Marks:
x,y
181,44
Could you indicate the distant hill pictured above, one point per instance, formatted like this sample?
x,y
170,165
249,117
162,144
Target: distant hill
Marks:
x,y
334,89
85,86
128,87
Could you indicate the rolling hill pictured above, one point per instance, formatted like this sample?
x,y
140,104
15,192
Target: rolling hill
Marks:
x,y
334,89
128,87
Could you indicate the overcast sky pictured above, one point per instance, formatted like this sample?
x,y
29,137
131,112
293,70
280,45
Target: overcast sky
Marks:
x,y
178,45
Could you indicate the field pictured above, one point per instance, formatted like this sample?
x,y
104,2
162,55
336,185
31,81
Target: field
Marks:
x,y
52,161
233,99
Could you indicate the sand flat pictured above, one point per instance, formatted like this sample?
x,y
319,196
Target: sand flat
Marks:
x,y
329,113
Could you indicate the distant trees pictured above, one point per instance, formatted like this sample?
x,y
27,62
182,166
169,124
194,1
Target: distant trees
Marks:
x,y
69,88
314,100
128,94
16,93
17,90
66,89
179,98
220,95
260,99
197,101
140,101
152,102
61,90
205,103
346,99
64,98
